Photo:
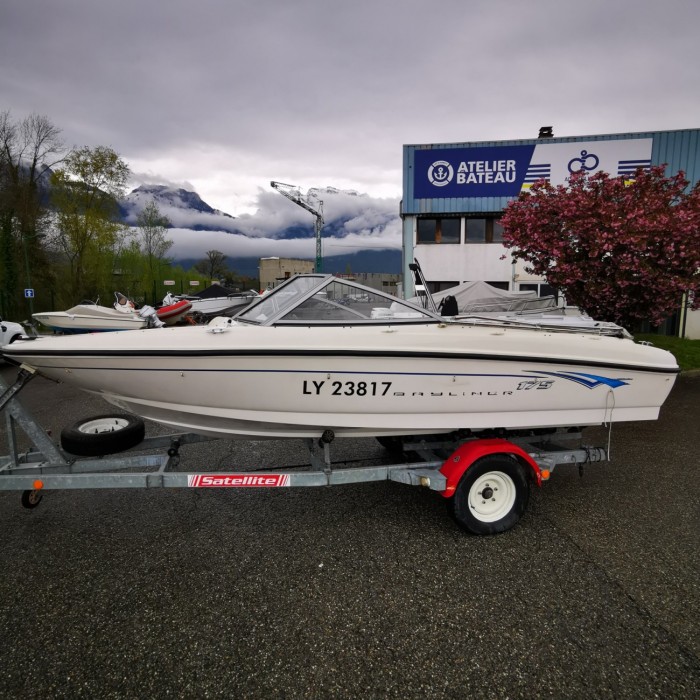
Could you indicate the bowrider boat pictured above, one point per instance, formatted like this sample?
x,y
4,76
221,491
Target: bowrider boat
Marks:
x,y
322,353
89,316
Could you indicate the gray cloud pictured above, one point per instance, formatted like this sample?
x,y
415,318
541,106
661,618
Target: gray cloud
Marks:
x,y
230,95
370,223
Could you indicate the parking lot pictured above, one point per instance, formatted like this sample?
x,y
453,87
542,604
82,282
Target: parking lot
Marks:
x,y
367,590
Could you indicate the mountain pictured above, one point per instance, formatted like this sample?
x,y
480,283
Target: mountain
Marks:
x,y
369,226
182,207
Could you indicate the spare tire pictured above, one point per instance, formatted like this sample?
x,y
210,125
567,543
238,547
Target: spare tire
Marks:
x,y
103,435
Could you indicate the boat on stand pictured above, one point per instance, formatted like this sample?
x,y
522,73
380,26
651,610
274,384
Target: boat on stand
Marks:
x,y
476,408
320,353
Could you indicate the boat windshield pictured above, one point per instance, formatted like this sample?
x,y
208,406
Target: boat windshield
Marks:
x,y
314,299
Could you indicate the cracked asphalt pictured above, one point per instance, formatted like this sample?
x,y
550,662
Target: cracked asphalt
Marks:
x,y
366,590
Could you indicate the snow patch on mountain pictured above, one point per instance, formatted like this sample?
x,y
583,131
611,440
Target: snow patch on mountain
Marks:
x,y
183,208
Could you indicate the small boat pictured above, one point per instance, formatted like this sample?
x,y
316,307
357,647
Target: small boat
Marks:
x,y
173,310
89,316
320,353
217,300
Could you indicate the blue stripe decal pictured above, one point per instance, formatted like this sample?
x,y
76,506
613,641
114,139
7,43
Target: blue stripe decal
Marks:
x,y
640,161
589,380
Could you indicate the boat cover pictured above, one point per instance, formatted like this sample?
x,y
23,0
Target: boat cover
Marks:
x,y
481,297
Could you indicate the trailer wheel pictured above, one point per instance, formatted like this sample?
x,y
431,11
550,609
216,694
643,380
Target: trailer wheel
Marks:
x,y
103,435
31,499
491,496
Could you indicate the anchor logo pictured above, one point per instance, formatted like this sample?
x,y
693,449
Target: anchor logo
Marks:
x,y
440,173
587,161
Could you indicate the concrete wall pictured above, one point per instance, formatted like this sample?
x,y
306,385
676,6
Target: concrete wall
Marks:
x,y
275,270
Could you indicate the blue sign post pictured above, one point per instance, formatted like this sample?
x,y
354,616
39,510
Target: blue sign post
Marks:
x,y
29,294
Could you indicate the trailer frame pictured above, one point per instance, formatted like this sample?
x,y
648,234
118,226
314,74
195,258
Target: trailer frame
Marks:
x,y
432,462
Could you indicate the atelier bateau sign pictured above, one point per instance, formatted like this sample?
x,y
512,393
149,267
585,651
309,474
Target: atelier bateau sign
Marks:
x,y
505,171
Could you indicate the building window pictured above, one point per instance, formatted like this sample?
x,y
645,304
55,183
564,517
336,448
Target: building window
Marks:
x,y
499,285
542,289
438,230
476,231
448,230
484,230
497,229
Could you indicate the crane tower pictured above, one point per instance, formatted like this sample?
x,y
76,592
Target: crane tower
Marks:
x,y
312,204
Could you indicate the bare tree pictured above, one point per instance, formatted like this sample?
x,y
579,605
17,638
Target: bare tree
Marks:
x,y
153,243
28,151
213,265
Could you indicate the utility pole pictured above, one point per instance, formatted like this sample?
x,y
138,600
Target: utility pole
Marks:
x,y
312,204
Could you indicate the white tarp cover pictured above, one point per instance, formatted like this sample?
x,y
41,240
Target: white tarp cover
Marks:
x,y
481,297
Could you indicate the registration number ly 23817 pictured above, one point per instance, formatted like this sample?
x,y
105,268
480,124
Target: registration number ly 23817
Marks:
x,y
335,388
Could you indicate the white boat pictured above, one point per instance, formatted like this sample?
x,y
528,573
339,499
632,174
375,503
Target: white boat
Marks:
x,y
228,304
89,317
319,353
480,301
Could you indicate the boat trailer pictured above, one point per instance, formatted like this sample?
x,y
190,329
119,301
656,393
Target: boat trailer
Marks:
x,y
486,477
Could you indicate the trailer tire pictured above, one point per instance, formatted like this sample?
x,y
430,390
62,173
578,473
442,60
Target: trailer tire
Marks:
x,y
31,499
103,435
491,496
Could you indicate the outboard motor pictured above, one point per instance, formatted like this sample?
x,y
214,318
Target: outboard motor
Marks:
x,y
151,317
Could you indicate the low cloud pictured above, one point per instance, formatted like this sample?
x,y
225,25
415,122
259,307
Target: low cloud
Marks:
x,y
194,244
354,222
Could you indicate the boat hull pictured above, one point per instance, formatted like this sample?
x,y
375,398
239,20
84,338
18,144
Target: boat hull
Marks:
x,y
225,306
263,382
66,322
172,313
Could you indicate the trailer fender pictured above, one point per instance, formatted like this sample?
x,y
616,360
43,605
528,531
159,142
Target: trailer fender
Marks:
x,y
469,452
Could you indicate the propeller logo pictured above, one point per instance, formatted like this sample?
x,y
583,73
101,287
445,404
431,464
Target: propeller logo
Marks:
x,y
440,173
587,161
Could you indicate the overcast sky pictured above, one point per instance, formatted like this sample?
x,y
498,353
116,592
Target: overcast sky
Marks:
x,y
222,96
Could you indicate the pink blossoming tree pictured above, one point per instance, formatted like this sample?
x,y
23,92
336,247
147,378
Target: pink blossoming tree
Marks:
x,y
623,253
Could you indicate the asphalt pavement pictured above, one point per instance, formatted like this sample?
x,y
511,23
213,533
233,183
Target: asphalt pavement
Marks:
x,y
366,590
